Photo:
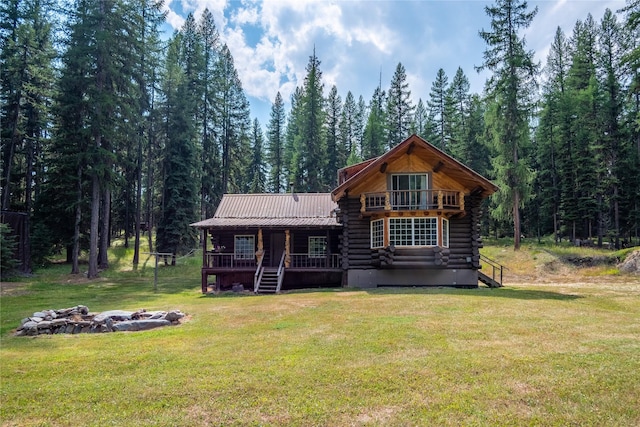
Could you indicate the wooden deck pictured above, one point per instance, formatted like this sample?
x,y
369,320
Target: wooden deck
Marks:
x,y
306,271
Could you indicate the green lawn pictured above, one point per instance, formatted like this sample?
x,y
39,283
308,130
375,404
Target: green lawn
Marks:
x,y
553,353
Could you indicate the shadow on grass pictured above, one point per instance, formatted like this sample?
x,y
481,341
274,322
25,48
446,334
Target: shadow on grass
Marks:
x,y
505,292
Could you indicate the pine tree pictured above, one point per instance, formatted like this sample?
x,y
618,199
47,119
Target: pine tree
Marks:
x,y
511,89
179,195
210,182
234,125
26,88
613,140
553,129
374,139
336,150
309,142
275,151
348,131
257,167
579,154
457,110
437,107
419,123
399,108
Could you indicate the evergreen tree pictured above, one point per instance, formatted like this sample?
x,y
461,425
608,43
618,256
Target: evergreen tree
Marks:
x,y
291,155
309,141
420,118
511,88
437,107
179,195
256,170
348,130
553,129
457,110
613,140
275,151
579,154
399,108
210,182
234,125
336,150
374,139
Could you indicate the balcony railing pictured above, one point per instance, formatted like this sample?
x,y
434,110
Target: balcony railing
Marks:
x,y
412,200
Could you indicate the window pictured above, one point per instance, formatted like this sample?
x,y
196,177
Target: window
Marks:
x,y
244,247
377,233
413,231
409,191
317,246
445,233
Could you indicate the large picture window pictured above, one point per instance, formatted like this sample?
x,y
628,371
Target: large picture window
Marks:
x,y
244,247
413,231
377,233
317,246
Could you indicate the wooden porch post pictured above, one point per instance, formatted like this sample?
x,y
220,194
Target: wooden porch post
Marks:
x,y
287,249
260,251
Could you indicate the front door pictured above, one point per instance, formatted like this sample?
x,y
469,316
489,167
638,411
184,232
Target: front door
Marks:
x,y
277,248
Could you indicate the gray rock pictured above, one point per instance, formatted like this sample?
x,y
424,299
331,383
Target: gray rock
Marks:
x,y
174,315
45,324
118,315
28,325
157,315
140,325
59,322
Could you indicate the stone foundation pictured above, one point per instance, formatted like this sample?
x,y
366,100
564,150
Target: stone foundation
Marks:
x,y
78,319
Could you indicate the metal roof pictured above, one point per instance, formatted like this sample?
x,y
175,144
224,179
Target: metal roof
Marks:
x,y
273,210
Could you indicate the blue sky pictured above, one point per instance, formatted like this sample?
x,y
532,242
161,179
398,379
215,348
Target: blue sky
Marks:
x,y
358,42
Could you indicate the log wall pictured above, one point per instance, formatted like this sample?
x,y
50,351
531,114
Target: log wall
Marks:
x,y
461,255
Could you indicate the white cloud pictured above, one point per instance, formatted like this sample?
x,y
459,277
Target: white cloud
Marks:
x,y
271,41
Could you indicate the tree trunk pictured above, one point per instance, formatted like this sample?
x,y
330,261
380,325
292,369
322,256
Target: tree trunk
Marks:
x,y
105,235
75,268
516,220
93,231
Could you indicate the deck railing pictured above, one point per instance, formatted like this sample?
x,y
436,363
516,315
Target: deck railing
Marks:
x,y
412,200
228,260
306,261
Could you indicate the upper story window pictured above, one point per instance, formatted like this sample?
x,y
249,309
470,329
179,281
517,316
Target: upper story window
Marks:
x,y
244,247
409,191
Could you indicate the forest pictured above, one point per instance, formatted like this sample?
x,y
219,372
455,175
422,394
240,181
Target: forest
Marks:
x,y
110,129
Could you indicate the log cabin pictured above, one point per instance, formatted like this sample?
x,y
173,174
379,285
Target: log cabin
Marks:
x,y
407,218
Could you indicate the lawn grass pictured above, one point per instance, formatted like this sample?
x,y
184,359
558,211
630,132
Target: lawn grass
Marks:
x,y
532,353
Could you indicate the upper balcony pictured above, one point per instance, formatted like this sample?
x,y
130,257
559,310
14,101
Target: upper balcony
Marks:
x,y
412,200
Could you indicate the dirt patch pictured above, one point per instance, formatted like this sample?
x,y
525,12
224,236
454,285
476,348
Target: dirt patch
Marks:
x,y
13,288
588,261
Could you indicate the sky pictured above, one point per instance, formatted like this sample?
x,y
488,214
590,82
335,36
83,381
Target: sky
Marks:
x,y
360,43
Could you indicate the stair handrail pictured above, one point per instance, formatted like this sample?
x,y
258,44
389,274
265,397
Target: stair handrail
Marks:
x,y
495,266
257,277
281,272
